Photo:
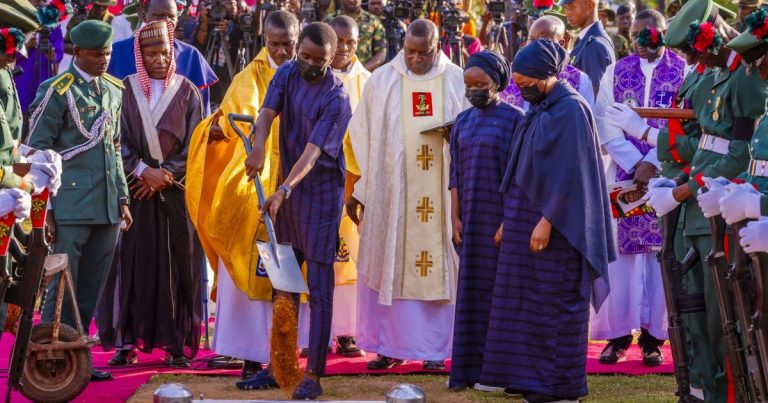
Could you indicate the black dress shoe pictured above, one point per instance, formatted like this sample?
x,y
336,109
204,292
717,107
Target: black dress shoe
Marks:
x,y
124,357
612,354
434,365
652,356
250,368
97,375
347,347
176,360
224,362
383,362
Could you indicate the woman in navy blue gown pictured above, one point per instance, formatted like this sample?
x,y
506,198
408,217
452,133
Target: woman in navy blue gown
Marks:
x,y
480,142
555,241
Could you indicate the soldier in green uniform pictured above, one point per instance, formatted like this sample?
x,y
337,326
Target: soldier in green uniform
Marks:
x,y
745,8
372,46
608,16
743,202
77,114
99,12
727,103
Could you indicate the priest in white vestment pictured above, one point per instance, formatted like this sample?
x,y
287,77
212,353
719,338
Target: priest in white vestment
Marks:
x,y
407,264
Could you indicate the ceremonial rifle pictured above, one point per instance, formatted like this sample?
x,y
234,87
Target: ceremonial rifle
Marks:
x,y
665,113
759,324
672,273
718,267
743,294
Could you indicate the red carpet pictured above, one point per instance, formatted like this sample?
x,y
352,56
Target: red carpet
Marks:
x,y
127,380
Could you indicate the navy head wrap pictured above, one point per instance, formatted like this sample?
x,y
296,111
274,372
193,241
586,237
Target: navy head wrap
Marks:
x,y
540,59
493,64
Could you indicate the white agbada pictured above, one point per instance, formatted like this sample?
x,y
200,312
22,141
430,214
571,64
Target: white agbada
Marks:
x,y
345,296
637,294
398,328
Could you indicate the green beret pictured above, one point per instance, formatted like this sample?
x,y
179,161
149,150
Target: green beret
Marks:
x,y
129,9
692,10
748,44
15,14
92,34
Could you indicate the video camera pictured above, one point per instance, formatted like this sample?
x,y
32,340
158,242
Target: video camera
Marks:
x,y
451,18
308,11
498,10
217,11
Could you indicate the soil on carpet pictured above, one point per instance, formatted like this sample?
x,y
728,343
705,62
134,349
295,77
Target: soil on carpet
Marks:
x,y
603,388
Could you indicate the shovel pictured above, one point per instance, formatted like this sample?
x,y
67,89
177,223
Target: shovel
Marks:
x,y
278,259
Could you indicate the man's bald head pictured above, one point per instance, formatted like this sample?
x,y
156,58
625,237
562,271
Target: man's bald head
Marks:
x,y
154,10
423,28
547,27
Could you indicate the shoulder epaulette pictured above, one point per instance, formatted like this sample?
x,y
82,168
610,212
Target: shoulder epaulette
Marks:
x,y
114,80
62,84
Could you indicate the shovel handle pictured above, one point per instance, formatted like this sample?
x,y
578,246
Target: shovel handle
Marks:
x,y
234,117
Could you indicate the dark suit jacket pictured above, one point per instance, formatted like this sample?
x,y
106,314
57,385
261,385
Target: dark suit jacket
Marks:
x,y
593,54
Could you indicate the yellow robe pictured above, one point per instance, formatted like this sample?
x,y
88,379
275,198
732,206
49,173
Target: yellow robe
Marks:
x,y
221,200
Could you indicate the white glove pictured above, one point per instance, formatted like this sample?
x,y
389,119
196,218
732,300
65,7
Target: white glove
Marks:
x,y
49,162
40,179
621,115
740,203
660,198
661,183
23,206
754,237
16,201
709,201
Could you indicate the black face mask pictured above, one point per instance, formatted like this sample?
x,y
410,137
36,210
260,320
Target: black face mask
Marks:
x,y
309,72
479,98
532,94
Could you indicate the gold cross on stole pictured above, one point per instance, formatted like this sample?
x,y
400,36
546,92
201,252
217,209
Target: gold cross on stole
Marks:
x,y
425,209
424,263
425,157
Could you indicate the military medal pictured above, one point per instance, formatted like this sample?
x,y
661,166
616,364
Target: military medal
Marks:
x,y
716,112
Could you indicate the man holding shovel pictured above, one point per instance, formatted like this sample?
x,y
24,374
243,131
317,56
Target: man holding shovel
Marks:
x,y
314,112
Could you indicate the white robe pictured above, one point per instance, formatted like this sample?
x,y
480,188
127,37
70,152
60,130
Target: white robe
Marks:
x,y
637,294
398,328
345,296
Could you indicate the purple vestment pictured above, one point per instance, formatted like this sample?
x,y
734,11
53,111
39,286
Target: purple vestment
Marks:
x,y
639,234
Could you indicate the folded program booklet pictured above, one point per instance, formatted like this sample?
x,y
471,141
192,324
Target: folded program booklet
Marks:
x,y
620,207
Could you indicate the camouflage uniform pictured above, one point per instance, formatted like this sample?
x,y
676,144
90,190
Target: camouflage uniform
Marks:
x,y
372,36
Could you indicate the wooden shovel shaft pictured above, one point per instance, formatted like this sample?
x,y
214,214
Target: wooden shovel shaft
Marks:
x,y
665,113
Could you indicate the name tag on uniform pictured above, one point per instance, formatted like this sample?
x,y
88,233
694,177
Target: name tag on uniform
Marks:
x,y
88,109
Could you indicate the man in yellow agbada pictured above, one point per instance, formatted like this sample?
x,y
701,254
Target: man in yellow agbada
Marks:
x,y
224,208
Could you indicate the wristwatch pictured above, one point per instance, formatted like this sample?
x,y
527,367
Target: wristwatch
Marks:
x,y
287,189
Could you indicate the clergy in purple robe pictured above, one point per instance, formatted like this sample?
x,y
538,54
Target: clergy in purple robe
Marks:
x,y
190,63
552,28
38,67
151,298
649,77
314,112
480,141
555,239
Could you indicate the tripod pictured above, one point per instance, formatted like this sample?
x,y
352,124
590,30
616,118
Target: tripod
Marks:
x,y
394,34
245,51
497,38
216,50
454,47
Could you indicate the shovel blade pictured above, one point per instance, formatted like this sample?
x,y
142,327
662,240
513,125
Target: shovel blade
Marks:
x,y
283,270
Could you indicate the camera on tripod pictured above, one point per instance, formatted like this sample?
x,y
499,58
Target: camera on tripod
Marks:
x,y
498,10
245,22
308,11
217,11
451,18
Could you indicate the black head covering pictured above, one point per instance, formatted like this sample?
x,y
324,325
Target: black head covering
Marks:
x,y
493,64
540,59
